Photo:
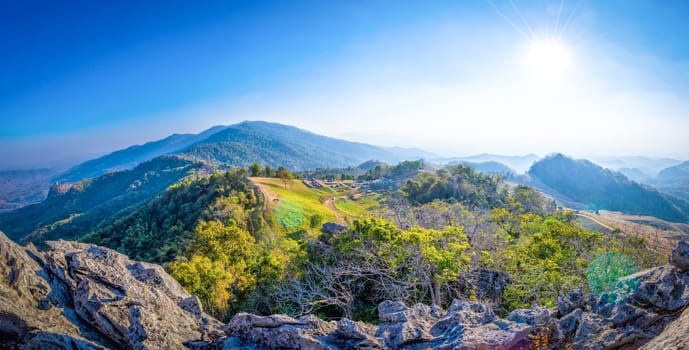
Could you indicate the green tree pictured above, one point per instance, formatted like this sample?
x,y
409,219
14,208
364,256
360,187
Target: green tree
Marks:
x,y
255,169
218,268
316,220
285,176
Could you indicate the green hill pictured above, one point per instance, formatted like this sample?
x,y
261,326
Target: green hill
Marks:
x,y
132,156
585,182
281,145
73,210
162,228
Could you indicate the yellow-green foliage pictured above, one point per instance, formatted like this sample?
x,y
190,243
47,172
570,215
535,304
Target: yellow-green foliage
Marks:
x,y
547,261
217,267
424,259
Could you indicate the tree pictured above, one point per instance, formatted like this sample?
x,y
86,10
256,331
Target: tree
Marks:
x,y
285,176
316,220
218,267
255,169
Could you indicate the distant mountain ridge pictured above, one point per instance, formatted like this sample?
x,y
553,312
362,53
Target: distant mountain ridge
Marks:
x,y
244,143
597,188
282,145
517,164
225,146
673,180
72,210
132,156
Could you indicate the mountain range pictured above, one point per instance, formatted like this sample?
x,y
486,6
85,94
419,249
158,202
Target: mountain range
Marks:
x,y
235,145
89,194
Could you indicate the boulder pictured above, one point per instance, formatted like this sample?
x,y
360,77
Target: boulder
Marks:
x,y
680,257
82,296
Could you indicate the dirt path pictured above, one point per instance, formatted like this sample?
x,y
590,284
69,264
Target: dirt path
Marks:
x,y
592,218
330,204
269,195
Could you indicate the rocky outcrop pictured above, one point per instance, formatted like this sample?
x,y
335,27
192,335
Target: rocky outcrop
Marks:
x,y
87,297
80,296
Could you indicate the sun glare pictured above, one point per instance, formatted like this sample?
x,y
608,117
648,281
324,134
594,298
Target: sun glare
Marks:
x,y
548,59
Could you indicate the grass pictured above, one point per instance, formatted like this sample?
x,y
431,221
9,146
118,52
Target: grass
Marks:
x,y
289,213
297,203
356,207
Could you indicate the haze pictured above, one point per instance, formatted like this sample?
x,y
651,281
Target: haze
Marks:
x,y
451,77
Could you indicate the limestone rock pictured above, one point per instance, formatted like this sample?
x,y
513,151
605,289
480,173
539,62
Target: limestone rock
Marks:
x,y
680,257
87,297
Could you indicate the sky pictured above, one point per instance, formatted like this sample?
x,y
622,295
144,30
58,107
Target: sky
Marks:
x,y
582,77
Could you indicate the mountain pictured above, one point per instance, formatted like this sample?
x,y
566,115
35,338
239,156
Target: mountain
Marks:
x,y
244,143
282,145
584,182
648,166
226,146
673,173
518,163
132,156
674,180
73,210
21,187
489,167
635,174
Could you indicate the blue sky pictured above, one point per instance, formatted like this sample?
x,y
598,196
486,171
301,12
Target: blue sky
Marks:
x,y
87,77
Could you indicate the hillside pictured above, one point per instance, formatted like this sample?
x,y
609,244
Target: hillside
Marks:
x,y
649,167
281,145
597,188
674,180
132,156
73,210
519,164
489,167
161,229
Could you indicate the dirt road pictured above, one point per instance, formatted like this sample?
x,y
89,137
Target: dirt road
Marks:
x,y
269,195
330,204
592,218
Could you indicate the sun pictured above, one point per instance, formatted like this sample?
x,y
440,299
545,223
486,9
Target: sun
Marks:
x,y
548,59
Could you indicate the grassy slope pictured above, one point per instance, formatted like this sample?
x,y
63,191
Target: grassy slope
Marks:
x,y
297,203
358,207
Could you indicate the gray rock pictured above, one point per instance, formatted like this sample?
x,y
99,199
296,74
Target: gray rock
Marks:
x,y
80,296
575,299
680,257
535,316
280,331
